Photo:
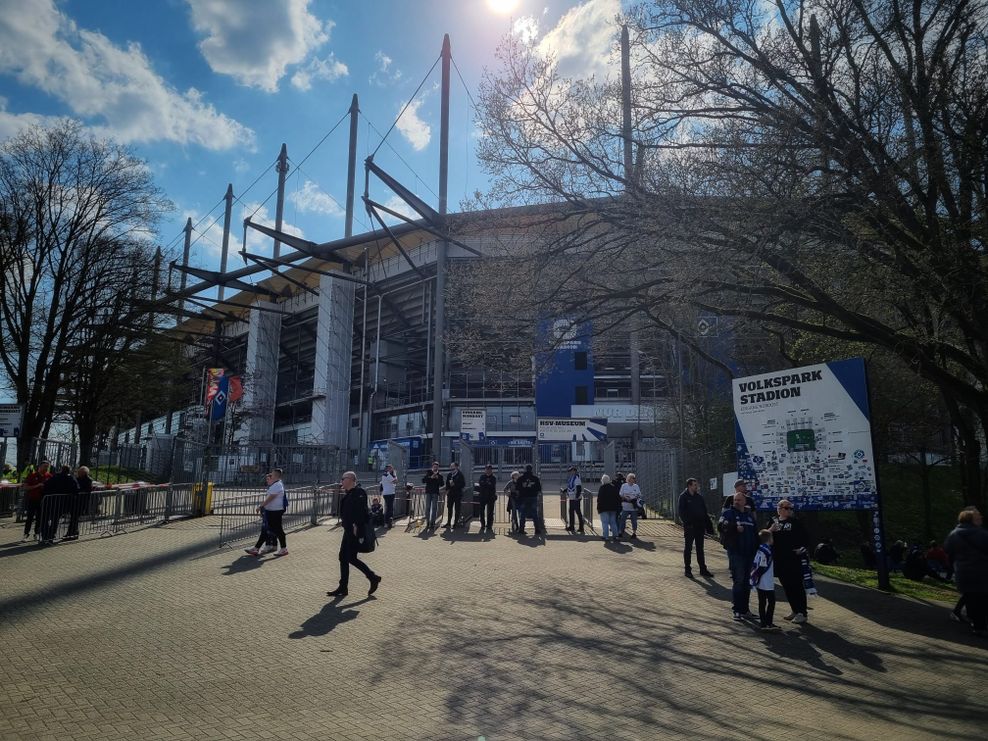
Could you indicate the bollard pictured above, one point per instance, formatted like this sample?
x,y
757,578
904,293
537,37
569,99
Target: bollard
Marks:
x,y
315,506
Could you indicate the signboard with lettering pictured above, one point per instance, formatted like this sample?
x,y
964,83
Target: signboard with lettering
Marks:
x,y
473,424
564,429
10,419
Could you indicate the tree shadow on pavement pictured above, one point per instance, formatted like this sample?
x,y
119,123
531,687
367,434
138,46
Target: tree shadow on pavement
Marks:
x,y
330,616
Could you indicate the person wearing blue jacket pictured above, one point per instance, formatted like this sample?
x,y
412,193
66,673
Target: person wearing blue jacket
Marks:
x,y
739,534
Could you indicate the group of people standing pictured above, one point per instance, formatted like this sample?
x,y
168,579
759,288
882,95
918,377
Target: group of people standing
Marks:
x,y
66,494
755,556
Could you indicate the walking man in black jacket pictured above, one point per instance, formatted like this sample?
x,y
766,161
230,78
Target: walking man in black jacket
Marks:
x,y
455,484
353,513
696,524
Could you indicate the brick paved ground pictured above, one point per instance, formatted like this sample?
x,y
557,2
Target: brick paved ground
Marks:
x,y
156,635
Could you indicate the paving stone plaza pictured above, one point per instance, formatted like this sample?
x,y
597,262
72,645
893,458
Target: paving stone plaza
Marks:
x,y
156,634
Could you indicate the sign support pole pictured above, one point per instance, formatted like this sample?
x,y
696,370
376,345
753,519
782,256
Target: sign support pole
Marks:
x,y
877,518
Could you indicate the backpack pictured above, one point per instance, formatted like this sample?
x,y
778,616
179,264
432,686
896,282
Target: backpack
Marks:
x,y
726,534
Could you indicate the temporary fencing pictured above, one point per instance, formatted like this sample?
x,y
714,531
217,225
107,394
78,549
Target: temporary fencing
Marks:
x,y
113,511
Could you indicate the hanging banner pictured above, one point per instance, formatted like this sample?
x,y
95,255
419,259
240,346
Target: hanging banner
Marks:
x,y
473,424
11,416
213,376
217,405
804,434
564,429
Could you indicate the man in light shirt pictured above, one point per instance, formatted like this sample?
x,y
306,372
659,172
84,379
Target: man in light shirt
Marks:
x,y
388,482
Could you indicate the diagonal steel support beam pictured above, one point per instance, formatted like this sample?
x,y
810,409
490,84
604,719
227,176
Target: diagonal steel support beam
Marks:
x,y
435,232
394,239
215,278
417,204
273,267
306,268
307,248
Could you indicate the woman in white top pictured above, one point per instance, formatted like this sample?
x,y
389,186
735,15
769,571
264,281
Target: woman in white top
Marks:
x,y
272,509
630,494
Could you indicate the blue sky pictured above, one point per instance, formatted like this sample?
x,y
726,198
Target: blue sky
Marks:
x,y
207,90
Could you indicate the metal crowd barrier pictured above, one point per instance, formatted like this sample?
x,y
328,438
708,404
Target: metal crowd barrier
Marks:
x,y
109,512
10,498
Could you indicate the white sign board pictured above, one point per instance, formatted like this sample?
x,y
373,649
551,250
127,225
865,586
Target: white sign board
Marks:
x,y
473,424
624,413
10,419
564,429
805,434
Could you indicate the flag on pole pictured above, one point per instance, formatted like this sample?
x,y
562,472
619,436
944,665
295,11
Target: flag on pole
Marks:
x,y
236,389
213,376
217,405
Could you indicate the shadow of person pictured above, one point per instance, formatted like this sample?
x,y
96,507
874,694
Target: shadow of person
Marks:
x,y
331,615
841,648
618,547
642,545
243,565
425,533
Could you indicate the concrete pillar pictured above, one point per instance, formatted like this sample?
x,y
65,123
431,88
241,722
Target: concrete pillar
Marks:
x,y
261,383
334,348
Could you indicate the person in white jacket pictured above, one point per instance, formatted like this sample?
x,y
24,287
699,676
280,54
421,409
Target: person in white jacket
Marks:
x,y
630,494
763,579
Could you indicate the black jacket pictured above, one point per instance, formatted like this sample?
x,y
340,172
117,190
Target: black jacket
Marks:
x,y
967,546
488,487
608,498
693,510
529,486
455,483
792,536
61,483
432,482
353,509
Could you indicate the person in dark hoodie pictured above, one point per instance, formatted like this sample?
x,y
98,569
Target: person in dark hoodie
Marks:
x,y
529,488
696,525
433,481
967,546
455,484
608,505
790,547
60,493
740,538
487,496
80,506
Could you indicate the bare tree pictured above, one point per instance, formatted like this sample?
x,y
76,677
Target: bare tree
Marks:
x,y
76,218
813,166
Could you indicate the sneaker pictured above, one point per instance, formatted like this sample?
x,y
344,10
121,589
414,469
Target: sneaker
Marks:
x,y
582,532
737,617
374,583
799,618
281,552
265,549
770,629
252,551
790,616
704,572
688,574
338,592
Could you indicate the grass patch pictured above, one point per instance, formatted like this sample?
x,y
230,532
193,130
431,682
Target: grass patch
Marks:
x,y
120,474
926,589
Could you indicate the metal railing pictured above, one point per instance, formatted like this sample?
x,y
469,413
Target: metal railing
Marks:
x,y
112,511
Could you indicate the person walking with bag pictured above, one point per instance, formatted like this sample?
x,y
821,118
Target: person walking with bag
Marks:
x,y
355,519
272,510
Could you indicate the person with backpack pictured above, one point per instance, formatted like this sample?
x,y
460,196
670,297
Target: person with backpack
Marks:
x,y
738,536
354,517
272,510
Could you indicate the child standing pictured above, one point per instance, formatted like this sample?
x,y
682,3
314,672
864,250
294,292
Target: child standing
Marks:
x,y
763,579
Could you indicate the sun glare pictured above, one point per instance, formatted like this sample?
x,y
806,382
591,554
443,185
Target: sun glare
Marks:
x,y
502,7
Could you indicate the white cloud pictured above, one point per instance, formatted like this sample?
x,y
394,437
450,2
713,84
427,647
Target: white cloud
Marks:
x,y
254,41
240,166
414,129
312,199
396,204
526,28
328,69
13,123
112,89
583,39
385,74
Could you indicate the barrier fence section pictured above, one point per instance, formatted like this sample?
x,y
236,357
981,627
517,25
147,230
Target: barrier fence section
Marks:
x,y
110,512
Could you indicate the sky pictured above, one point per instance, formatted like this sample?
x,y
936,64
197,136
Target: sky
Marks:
x,y
206,91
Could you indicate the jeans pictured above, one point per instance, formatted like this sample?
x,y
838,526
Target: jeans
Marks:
x,y
453,503
349,556
694,534
32,513
515,514
608,524
389,508
487,513
272,530
633,514
529,510
574,508
740,564
431,508
766,606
